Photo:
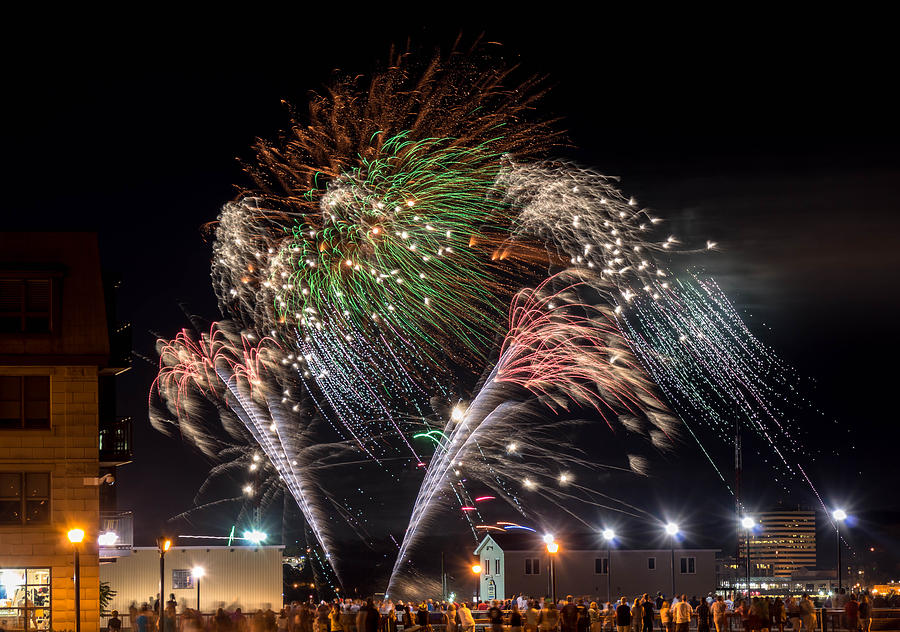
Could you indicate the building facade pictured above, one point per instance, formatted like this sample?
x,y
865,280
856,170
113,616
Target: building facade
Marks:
x,y
54,352
782,543
244,576
516,565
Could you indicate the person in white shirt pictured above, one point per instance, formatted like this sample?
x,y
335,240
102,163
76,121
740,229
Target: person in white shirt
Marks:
x,y
682,612
466,619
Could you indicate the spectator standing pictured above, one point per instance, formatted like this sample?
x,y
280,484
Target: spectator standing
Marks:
x,y
807,613
549,618
703,614
665,617
623,616
647,614
719,611
778,614
636,614
515,618
568,616
865,613
532,617
495,617
596,621
851,611
681,613
466,619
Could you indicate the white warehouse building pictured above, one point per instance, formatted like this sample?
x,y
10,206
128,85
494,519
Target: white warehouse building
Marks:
x,y
245,576
518,564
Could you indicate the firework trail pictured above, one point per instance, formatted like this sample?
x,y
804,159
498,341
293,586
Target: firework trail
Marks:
x,y
242,378
688,336
560,352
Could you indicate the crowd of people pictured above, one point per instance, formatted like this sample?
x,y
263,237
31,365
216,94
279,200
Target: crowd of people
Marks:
x,y
643,613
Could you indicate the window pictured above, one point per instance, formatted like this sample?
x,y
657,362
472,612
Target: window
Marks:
x,y
496,567
24,498
25,306
24,401
601,565
687,565
25,585
651,563
532,566
182,578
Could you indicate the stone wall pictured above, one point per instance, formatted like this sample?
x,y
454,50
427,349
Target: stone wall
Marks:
x,y
69,451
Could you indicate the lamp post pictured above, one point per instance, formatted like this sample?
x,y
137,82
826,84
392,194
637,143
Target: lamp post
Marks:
x,y
839,516
198,572
748,523
672,532
552,550
476,570
608,535
164,544
75,537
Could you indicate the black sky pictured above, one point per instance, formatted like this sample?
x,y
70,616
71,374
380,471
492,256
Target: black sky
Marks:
x,y
774,135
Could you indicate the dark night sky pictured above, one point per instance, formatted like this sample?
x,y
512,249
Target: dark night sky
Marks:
x,y
775,136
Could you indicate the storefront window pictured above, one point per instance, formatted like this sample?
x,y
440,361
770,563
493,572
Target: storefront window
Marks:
x,y
25,599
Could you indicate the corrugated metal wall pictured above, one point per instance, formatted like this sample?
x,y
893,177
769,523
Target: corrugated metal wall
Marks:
x,y
249,577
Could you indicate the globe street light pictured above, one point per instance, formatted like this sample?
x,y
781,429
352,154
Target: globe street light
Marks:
x,y
672,532
748,523
75,537
609,535
839,516
198,572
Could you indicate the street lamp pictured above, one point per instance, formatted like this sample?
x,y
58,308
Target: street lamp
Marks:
x,y
476,570
839,516
75,537
163,544
748,523
672,532
198,572
609,535
552,550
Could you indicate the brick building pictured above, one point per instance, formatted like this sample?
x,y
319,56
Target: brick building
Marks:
x,y
55,359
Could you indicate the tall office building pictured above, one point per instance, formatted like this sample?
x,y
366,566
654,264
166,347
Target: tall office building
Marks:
x,y
57,439
783,541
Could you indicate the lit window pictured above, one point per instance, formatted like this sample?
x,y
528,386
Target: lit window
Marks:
x,y
182,579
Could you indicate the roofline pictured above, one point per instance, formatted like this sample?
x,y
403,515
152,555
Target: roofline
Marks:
x,y
196,548
604,549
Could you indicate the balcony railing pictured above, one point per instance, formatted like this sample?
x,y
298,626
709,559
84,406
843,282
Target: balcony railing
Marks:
x,y
115,441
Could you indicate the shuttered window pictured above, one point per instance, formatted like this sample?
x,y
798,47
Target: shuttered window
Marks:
x,y
24,402
26,305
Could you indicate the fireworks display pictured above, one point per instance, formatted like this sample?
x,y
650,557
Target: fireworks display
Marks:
x,y
405,237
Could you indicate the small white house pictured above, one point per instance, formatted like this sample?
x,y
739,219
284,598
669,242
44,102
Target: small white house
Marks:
x,y
245,576
515,564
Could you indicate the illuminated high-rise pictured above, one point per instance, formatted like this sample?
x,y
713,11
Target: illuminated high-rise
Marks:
x,y
783,542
